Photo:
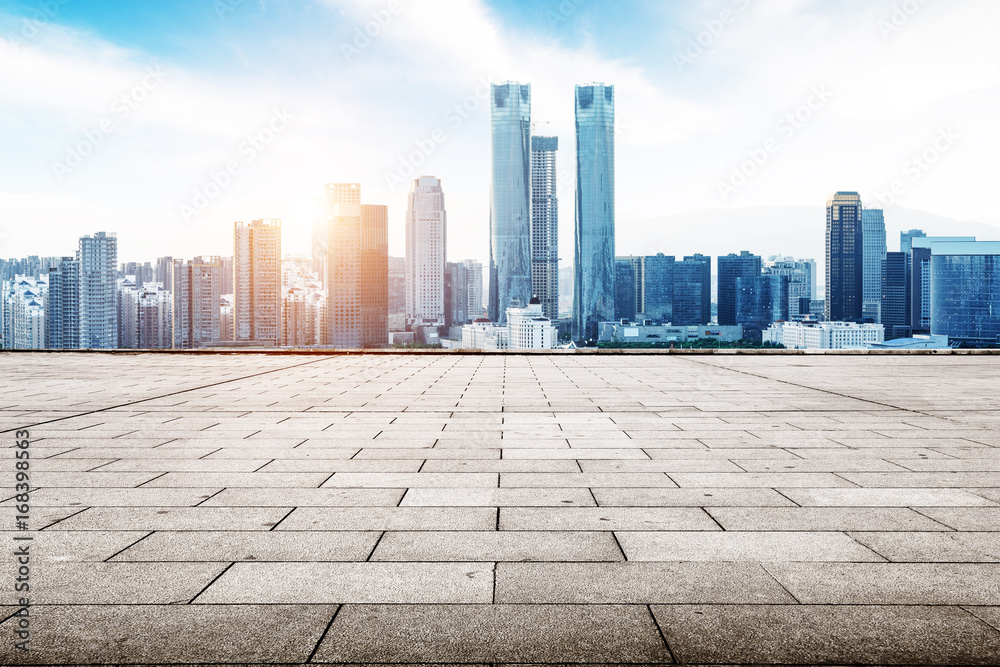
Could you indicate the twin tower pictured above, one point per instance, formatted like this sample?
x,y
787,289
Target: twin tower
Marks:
x,y
524,217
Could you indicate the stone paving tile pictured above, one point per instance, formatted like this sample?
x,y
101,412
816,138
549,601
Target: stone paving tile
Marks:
x,y
933,547
990,615
607,519
390,518
359,480
141,497
259,480
494,633
822,519
690,498
247,497
207,547
587,480
907,497
360,583
766,480
891,583
637,583
503,466
732,546
670,466
129,634
497,546
480,497
175,518
75,546
121,583
329,466
810,635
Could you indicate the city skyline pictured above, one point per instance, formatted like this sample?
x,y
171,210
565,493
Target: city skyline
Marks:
x,y
662,111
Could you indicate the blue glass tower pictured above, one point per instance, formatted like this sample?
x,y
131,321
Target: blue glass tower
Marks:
x,y
965,292
594,269
510,199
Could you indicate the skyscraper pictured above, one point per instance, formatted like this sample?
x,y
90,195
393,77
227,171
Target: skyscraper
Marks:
x,y
374,276
873,230
475,275
197,296
594,266
965,291
906,239
426,239
896,297
510,199
844,258
746,265
760,302
257,282
545,224
920,277
62,306
658,288
98,255
628,288
456,295
693,291
155,317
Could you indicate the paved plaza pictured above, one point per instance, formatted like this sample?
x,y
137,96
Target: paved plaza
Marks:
x,y
506,509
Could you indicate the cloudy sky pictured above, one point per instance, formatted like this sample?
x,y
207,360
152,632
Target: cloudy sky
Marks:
x,y
168,121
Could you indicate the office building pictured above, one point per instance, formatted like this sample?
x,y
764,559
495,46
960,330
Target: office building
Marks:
x,y
732,267
456,295
760,302
906,240
965,292
476,303
510,199
197,302
374,272
658,288
920,278
594,260
801,275
256,282
824,335
529,329
155,317
545,224
98,255
62,306
628,288
896,297
693,291
426,243
874,250
397,293
844,258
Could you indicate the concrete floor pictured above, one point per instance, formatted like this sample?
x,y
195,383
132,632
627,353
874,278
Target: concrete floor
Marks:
x,y
712,510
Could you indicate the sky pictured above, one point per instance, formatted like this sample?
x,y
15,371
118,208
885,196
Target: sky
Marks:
x,y
166,122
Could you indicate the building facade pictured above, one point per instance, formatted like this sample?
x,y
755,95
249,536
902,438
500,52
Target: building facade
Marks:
x,y
896,297
474,270
98,256
545,224
456,295
426,248
529,329
197,302
824,335
658,288
22,312
693,291
801,283
965,292
732,267
155,317
510,199
62,306
594,255
256,281
628,288
374,276
844,258
760,302
874,250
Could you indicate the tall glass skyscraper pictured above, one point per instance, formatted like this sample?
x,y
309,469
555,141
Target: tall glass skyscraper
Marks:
x,y
510,199
545,224
594,268
732,267
844,258
965,291
873,231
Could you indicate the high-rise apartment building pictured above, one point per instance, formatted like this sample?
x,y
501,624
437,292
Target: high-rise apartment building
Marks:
x,y
594,265
732,267
693,291
22,313
475,275
155,317
373,269
874,250
256,282
98,255
510,199
844,258
426,239
163,272
128,313
62,306
197,302
545,224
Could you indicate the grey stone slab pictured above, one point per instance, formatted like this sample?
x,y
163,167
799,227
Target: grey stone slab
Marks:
x,y
429,454
966,518
733,546
950,465
766,480
504,466
493,633
411,480
838,465
330,466
990,615
363,583
133,452
908,497
93,480
603,454
497,546
823,519
870,454
40,516
73,546
586,480
637,583
175,518
214,546
259,480
606,518
482,497
307,498
690,498
390,518
933,547
120,583
142,497
180,465
891,583
330,454
810,635
744,454
665,466
68,465
925,480
170,634
989,494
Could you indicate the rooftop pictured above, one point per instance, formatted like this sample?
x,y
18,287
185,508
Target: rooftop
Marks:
x,y
508,509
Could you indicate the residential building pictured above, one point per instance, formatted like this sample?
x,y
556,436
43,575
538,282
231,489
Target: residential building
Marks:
x,y
874,250
256,282
965,292
824,335
128,313
22,312
844,258
374,276
227,331
732,267
594,261
155,318
197,302
62,306
163,273
510,199
545,224
98,255
426,245
529,329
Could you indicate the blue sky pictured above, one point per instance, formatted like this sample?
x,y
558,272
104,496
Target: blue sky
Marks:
x,y
706,88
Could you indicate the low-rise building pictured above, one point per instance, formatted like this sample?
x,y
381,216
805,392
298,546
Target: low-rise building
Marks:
x,y
529,329
824,335
915,343
626,332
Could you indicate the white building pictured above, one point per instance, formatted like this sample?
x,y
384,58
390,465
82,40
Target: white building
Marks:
x,y
915,343
98,256
529,329
128,313
484,335
257,293
426,229
303,307
824,335
155,317
23,313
